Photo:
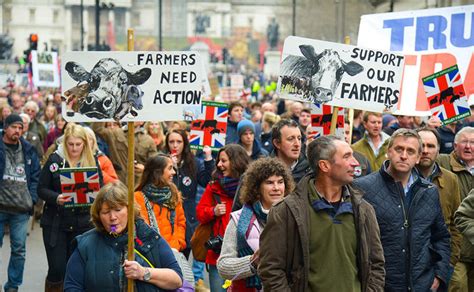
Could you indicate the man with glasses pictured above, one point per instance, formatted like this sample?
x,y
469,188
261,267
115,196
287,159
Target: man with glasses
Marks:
x,y
414,237
461,162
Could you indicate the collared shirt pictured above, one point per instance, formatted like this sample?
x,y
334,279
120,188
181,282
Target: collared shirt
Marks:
x,y
470,169
411,180
383,138
294,165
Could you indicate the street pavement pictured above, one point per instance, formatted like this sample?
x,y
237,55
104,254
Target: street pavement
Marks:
x,y
36,265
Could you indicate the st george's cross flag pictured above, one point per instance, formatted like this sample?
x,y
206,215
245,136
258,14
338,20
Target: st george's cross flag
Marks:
x,y
210,128
80,184
446,95
321,116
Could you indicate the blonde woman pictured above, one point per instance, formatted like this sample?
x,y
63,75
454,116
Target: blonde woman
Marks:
x,y
155,130
60,224
106,165
268,120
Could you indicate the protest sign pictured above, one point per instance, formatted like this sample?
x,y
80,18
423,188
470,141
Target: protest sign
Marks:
x,y
446,95
80,184
210,128
339,75
237,81
131,86
45,69
431,39
321,115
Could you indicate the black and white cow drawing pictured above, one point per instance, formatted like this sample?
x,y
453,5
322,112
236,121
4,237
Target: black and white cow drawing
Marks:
x,y
113,91
316,76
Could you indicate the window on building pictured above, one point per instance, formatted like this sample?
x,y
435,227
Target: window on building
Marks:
x,y
55,16
7,15
32,15
135,21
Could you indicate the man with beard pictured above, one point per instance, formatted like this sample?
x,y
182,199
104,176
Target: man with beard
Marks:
x,y
19,174
447,183
412,229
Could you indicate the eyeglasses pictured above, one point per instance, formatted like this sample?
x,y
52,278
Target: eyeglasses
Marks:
x,y
466,142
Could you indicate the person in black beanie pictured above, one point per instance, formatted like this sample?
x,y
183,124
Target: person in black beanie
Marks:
x,y
19,176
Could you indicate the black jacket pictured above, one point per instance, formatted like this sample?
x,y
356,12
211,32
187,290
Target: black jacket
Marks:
x,y
67,219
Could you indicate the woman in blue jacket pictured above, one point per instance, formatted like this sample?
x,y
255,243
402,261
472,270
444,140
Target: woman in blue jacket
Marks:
x,y
190,172
99,263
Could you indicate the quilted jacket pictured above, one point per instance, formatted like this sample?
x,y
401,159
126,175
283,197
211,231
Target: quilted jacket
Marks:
x,y
414,237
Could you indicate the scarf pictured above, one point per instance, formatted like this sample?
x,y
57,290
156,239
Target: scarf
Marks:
x,y
249,212
162,197
229,185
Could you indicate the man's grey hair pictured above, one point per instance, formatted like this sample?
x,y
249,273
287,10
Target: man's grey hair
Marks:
x,y
321,148
467,130
33,105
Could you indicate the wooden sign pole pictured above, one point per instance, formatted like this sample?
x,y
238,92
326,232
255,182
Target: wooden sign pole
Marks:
x,y
131,177
335,109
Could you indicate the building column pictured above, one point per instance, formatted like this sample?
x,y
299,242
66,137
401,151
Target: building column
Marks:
x,y
68,29
127,19
85,16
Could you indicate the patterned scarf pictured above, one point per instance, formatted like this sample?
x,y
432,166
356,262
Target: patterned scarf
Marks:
x,y
243,226
162,197
229,184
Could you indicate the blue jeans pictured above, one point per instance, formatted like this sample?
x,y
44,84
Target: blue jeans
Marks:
x,y
18,229
215,281
198,270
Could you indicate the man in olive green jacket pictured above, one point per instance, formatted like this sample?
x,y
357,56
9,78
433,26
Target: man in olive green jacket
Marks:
x,y
374,143
325,222
445,181
461,163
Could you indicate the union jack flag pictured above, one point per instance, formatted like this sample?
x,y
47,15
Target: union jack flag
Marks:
x,y
446,95
321,115
81,184
210,128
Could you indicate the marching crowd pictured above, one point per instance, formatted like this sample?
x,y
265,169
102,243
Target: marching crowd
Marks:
x,y
388,206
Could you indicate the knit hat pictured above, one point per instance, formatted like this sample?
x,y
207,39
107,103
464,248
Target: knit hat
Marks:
x,y
386,119
12,119
243,125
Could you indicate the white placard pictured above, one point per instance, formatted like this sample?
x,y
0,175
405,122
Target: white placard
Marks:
x,y
131,86
45,69
431,39
340,75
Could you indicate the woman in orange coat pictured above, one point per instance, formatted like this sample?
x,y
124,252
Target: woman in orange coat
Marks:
x,y
160,201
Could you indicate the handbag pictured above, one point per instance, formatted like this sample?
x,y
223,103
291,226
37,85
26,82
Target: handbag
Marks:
x,y
201,235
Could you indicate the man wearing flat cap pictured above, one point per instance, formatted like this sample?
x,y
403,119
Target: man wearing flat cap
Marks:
x,y
19,174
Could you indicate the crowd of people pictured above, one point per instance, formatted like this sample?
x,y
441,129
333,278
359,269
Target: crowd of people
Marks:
x,y
387,206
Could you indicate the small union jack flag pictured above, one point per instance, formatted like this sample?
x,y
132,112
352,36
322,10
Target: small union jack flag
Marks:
x,y
446,95
81,184
321,115
210,128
